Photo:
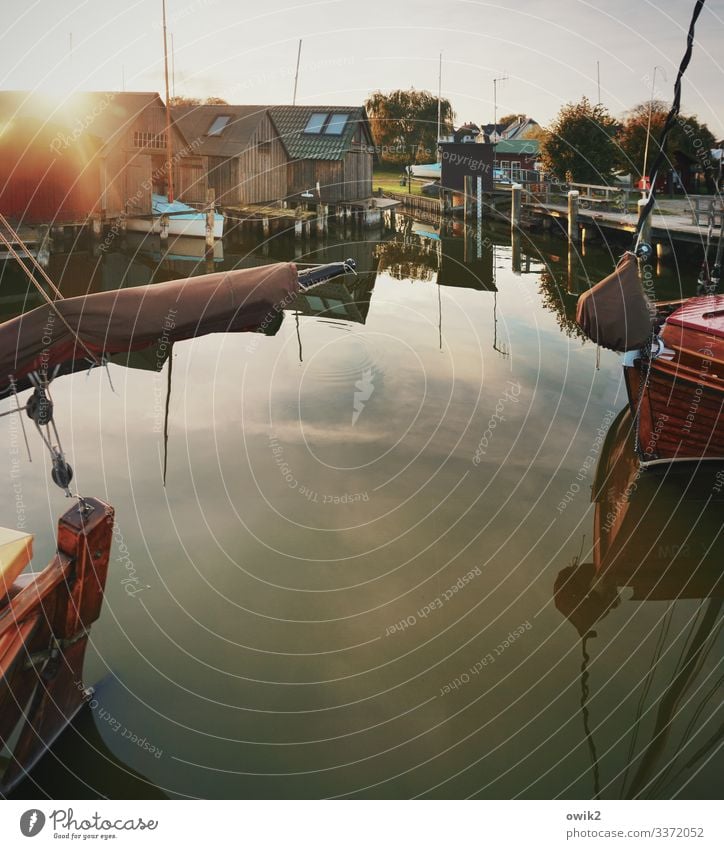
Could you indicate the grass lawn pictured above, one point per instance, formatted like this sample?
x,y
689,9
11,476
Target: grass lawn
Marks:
x,y
388,179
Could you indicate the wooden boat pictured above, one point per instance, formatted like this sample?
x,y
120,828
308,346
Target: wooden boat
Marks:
x,y
677,391
45,618
181,220
673,364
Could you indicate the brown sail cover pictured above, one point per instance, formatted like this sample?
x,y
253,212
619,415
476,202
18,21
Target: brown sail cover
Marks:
x,y
616,313
131,319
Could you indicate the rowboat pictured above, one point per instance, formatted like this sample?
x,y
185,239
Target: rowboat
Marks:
x,y
179,218
45,618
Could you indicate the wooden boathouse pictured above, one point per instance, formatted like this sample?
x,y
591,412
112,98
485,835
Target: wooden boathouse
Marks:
x,y
329,151
96,156
244,159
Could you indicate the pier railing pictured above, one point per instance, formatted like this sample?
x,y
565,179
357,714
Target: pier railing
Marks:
x,y
590,195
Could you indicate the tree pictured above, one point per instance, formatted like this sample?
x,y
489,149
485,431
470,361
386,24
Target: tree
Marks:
x,y
183,100
581,144
688,137
404,124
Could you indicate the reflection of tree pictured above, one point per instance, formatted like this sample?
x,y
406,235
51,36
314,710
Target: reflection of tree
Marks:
x,y
412,259
561,303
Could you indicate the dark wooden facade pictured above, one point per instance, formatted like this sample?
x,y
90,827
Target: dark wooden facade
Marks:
x,y
334,168
98,154
466,160
245,163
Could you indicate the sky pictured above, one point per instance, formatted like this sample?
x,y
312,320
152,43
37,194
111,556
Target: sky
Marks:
x,y
246,52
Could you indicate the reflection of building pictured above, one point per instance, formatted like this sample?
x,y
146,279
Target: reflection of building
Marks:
x,y
334,299
461,266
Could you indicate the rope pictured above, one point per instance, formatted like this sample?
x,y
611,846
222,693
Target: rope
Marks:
x,y
15,235
668,124
49,301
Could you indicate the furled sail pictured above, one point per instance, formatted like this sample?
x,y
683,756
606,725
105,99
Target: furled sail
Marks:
x,y
616,313
132,319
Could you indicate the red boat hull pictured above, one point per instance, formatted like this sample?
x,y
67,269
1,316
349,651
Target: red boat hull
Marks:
x,y
44,623
680,401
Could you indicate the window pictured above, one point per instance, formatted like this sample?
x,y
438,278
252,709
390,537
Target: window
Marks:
x,y
218,125
316,121
336,124
505,166
264,147
157,141
515,170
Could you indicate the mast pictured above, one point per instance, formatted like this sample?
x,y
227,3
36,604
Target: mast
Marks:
x,y
169,154
296,73
439,96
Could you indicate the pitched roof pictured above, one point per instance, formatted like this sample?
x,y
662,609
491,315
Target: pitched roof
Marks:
x,y
531,147
196,121
290,122
103,114
517,128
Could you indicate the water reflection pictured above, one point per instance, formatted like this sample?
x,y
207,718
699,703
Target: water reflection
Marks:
x,y
657,534
320,489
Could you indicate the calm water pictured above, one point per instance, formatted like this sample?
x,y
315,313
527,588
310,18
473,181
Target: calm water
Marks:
x,y
346,585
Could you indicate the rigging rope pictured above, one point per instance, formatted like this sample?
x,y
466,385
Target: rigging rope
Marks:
x,y
668,125
46,297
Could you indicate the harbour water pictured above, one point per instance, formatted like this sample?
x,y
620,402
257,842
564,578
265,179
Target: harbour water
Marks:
x,y
354,581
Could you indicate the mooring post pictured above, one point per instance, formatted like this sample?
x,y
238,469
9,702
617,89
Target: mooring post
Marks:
x,y
573,215
467,197
516,202
646,229
210,216
43,256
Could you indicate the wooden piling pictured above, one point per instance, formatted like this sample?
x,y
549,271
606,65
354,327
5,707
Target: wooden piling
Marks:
x,y
573,215
210,208
516,202
468,197
646,229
